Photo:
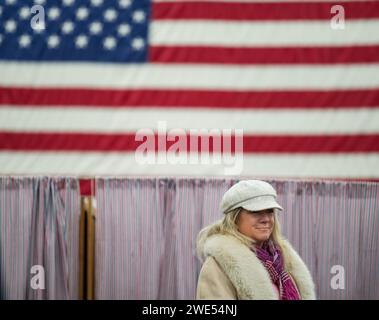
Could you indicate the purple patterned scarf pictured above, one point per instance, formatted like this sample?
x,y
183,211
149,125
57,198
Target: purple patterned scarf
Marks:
x,y
272,258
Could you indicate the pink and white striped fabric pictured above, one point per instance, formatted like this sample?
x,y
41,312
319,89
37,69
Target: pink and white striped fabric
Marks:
x,y
39,225
146,231
145,228
334,224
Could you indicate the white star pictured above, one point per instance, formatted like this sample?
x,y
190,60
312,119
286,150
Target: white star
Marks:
x,y
96,3
109,43
10,2
10,26
138,43
110,15
53,41
1,38
67,27
1,10
81,41
24,41
124,3
24,13
68,2
54,13
139,16
82,13
95,27
123,29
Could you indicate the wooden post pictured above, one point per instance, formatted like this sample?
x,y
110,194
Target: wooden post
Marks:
x,y
87,249
91,216
82,248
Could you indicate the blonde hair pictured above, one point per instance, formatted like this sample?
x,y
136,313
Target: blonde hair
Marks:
x,y
228,226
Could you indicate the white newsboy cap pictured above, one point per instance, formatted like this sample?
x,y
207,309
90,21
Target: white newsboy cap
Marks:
x,y
252,195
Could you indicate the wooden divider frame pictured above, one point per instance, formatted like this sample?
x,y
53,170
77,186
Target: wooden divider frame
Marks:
x,y
87,248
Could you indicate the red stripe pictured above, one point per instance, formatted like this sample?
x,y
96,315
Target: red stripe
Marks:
x,y
189,98
126,142
86,187
262,11
264,55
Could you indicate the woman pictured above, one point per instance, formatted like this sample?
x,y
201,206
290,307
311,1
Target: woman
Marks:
x,y
245,255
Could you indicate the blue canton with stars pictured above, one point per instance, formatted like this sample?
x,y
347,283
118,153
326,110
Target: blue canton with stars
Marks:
x,y
74,30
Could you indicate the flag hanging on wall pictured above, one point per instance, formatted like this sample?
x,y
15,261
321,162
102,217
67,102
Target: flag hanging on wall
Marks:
x,y
83,83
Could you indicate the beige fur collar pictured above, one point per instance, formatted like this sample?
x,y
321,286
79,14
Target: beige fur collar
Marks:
x,y
247,273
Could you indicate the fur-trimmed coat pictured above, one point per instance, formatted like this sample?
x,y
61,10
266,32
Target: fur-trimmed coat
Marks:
x,y
232,271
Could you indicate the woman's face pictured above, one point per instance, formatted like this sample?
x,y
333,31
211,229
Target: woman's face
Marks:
x,y
257,225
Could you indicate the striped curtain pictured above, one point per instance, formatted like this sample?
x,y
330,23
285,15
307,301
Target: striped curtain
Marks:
x,y
334,226
146,231
145,235
39,225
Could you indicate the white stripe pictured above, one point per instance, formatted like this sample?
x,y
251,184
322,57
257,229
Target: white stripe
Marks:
x,y
247,34
88,164
158,76
356,120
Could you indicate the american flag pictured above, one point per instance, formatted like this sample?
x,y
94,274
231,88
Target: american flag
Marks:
x,y
300,78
